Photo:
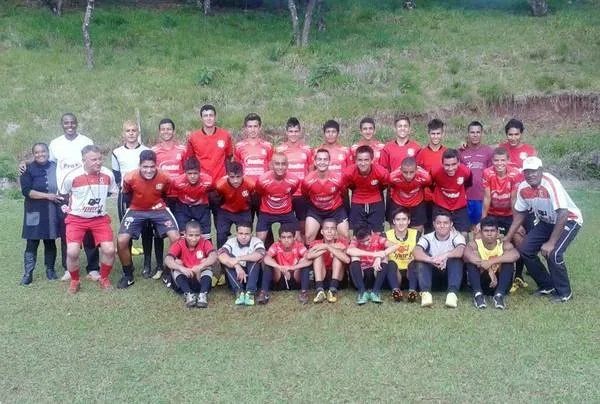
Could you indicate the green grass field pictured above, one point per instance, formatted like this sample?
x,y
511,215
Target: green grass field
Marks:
x,y
142,345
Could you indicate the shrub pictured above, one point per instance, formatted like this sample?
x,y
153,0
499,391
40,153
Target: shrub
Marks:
x,y
321,73
205,77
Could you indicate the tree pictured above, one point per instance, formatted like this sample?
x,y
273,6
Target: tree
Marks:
x,y
539,8
86,34
301,38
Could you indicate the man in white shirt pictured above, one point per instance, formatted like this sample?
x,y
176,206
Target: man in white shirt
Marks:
x,y
559,221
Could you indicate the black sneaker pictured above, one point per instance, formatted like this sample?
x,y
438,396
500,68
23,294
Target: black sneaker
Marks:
x,y
190,300
263,298
202,301
167,279
543,292
499,301
125,282
147,273
479,301
561,299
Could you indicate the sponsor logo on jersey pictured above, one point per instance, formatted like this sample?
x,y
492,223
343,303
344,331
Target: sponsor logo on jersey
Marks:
x,y
452,195
255,161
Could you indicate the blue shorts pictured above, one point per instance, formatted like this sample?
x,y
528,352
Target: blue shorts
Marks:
x,y
201,213
266,220
134,220
474,209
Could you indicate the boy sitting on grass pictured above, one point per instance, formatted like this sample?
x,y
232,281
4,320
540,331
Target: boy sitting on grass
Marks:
x,y
287,265
191,259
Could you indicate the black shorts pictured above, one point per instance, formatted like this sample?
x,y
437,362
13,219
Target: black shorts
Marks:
x,y
300,207
134,220
418,214
201,213
339,214
225,219
460,218
266,220
371,215
504,223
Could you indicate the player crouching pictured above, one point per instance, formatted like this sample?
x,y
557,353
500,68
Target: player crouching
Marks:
x,y
329,260
191,259
241,256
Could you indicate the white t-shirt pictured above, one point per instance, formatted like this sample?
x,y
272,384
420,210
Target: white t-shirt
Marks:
x,y
544,200
67,154
235,249
126,160
88,191
434,247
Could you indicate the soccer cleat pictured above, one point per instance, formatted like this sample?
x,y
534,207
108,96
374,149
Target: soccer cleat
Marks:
x,y
514,288
426,299
202,301
499,301
397,295
376,297
479,301
66,276
104,283
93,276
213,282
543,292
125,282
561,299
412,296
320,297
249,299
50,274
158,274
136,251
190,300
240,299
74,287
451,300
221,280
263,298
362,298
522,284
167,279
147,273
332,296
303,297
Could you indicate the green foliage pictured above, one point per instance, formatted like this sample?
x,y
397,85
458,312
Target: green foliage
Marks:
x,y
323,73
454,65
205,77
492,92
12,194
8,167
548,83
456,90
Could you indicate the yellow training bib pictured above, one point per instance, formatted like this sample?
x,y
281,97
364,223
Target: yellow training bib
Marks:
x,y
403,255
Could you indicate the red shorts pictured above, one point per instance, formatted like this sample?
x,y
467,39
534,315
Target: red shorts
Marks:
x,y
99,227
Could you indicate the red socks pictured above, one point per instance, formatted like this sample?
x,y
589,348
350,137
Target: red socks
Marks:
x,y
75,274
105,270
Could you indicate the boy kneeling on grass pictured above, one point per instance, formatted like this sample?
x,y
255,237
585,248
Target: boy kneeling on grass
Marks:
x,y
241,256
287,265
190,260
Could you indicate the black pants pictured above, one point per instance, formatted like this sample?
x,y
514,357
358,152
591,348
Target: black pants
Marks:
x,y
30,255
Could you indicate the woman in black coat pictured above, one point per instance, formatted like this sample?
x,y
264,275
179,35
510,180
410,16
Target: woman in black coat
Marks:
x,y
40,219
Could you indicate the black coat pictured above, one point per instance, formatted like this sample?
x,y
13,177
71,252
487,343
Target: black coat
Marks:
x,y
40,217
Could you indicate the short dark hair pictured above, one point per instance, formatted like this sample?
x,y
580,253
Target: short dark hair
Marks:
x,y
331,124
408,162
401,118
475,123
287,228
403,210
235,167
191,163
44,145
442,212
165,121
247,225
366,120
147,155
435,124
322,150
93,148
514,123
293,121
66,114
365,149
252,117
362,233
330,220
207,107
193,225
450,154
500,151
488,221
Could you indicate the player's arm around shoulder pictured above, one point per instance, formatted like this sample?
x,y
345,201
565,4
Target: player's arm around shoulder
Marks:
x,y
471,255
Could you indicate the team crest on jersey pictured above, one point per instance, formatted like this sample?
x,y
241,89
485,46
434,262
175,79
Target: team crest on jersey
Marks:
x,y
220,143
169,223
374,182
460,180
159,187
101,180
523,155
199,254
304,156
333,189
410,152
245,193
263,151
341,157
178,157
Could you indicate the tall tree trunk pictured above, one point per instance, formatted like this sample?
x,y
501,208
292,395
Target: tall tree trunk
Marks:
x,y
307,21
539,8
59,7
207,9
295,23
86,34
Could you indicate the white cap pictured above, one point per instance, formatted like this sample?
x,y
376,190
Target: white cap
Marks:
x,y
532,163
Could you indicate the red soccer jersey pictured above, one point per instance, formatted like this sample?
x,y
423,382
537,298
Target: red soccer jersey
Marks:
x,y
210,150
287,257
449,192
516,155
324,194
393,153
409,193
196,194
146,194
253,156
339,156
430,160
366,188
276,194
300,160
235,200
170,160
376,145
501,189
377,244
190,257
327,256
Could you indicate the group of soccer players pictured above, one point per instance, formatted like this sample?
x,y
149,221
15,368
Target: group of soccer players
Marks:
x,y
331,203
